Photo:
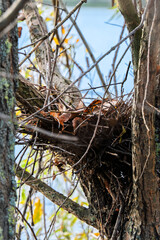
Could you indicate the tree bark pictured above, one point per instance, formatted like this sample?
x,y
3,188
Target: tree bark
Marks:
x,y
8,66
144,216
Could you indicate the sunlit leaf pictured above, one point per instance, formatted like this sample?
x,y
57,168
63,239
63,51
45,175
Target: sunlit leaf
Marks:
x,y
52,14
84,203
63,30
40,11
47,19
18,113
73,221
27,215
37,214
38,231
75,199
67,39
56,40
23,196
96,234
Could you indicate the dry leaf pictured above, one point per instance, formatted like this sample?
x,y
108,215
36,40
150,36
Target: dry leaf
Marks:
x,y
63,30
19,31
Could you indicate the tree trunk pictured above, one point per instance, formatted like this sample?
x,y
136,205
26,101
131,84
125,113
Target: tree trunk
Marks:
x,y
144,216
8,69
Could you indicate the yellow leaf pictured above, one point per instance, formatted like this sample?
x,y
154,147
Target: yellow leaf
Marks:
x,y
67,39
96,234
75,199
63,30
84,203
18,113
56,41
48,19
86,50
37,214
52,14
77,40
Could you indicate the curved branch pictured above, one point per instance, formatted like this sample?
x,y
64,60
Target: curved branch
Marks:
x,y
45,57
11,13
132,21
59,199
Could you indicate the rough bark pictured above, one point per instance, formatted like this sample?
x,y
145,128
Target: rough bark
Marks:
x,y
144,217
8,64
132,21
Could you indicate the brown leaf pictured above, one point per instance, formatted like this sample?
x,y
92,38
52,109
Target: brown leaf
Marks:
x,y
76,122
64,117
19,31
44,114
92,106
53,176
54,114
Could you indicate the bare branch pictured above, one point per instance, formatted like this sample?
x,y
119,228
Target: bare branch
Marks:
x,y
11,13
86,45
44,54
59,199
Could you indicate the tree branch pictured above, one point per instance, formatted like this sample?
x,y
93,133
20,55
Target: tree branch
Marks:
x,y
45,57
59,199
132,21
11,13
28,95
86,45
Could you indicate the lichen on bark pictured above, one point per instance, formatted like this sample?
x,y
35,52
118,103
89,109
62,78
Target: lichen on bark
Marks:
x,y
8,66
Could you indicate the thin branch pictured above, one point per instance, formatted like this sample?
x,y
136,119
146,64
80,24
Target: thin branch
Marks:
x,y
114,234
55,28
70,206
86,45
11,13
23,218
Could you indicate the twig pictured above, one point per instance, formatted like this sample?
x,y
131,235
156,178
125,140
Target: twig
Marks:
x,y
114,60
125,79
86,45
26,222
11,13
118,220
54,218
40,40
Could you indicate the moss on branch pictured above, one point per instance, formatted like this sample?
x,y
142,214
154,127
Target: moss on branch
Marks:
x,y
59,199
